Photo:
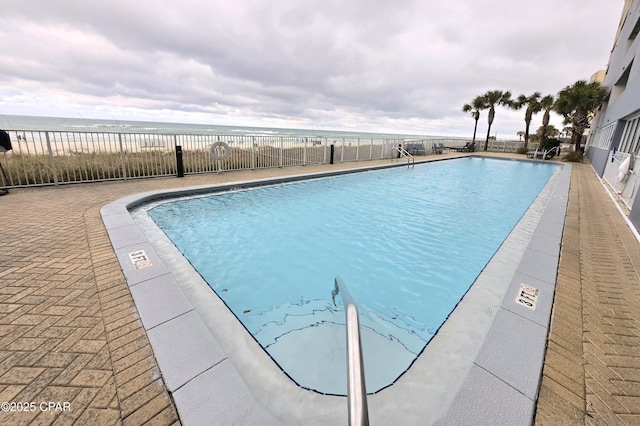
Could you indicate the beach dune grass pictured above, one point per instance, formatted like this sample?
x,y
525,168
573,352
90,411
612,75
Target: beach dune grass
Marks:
x,y
25,169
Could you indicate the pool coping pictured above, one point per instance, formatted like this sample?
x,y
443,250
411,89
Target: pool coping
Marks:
x,y
194,365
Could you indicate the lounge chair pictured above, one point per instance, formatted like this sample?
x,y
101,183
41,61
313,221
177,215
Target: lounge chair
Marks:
x,y
437,148
462,148
468,147
552,152
547,154
415,149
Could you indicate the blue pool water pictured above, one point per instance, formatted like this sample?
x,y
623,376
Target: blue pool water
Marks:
x,y
408,243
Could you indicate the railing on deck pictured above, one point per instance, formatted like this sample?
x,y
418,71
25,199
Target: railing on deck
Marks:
x,y
504,146
57,157
494,145
356,389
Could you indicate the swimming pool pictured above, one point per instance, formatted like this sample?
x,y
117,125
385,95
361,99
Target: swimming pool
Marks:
x,y
486,359
408,242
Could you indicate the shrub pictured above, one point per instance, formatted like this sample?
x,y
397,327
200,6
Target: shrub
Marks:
x,y
549,143
574,156
522,150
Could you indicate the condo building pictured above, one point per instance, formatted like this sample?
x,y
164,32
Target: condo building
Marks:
x,y
613,146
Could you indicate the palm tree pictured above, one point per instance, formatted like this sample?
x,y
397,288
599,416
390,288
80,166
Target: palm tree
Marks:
x,y
520,134
577,103
533,107
475,107
490,100
546,105
548,130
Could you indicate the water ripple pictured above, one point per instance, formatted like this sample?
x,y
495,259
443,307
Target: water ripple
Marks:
x,y
407,242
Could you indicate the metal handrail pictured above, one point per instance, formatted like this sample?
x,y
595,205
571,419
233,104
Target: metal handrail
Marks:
x,y
405,154
356,386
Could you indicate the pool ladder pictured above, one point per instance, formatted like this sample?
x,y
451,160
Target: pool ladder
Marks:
x,y
405,154
356,387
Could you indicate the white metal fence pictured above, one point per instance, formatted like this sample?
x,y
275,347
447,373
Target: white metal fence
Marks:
x,y
506,146
57,157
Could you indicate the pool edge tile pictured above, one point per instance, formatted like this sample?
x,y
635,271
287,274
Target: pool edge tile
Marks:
x,y
184,348
159,300
132,274
540,265
542,312
117,219
485,399
127,235
513,351
233,404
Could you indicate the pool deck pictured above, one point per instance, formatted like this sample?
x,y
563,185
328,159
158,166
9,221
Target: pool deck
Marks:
x,y
70,332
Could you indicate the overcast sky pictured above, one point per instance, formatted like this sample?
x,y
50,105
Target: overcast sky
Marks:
x,y
401,66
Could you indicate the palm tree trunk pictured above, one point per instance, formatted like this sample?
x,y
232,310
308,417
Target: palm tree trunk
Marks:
x,y
578,142
492,114
474,131
545,123
526,133
486,141
543,136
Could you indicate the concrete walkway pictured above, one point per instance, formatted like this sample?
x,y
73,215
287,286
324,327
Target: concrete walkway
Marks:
x,y
70,334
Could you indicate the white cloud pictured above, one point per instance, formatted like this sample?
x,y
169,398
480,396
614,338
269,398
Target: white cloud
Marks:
x,y
404,66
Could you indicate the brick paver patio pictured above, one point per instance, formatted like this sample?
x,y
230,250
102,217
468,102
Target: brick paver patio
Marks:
x,y
592,366
70,333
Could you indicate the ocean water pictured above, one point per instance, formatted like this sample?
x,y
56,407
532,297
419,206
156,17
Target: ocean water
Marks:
x,y
408,243
19,122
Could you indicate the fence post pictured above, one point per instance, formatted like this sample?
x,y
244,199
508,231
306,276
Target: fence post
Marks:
x,y
51,160
179,164
280,160
331,154
342,153
358,150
